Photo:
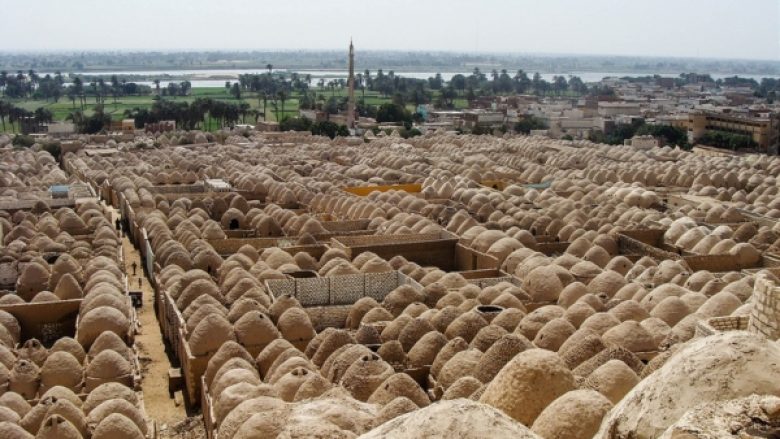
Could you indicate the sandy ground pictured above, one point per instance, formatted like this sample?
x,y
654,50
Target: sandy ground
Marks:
x,y
172,420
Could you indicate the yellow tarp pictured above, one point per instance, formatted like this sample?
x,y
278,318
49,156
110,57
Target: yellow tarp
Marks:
x,y
362,191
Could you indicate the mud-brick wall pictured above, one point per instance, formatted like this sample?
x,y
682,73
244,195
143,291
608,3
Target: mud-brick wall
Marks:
x,y
765,318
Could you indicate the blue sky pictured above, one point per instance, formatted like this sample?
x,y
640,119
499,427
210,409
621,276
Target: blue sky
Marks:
x,y
686,28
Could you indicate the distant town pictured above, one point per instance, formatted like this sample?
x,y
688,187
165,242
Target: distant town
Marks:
x,y
734,112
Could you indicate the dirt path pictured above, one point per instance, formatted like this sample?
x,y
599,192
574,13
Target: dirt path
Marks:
x,y
151,349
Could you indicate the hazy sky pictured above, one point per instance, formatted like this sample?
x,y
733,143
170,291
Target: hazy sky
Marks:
x,y
687,28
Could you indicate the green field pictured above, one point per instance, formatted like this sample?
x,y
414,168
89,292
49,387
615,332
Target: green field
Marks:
x,y
116,109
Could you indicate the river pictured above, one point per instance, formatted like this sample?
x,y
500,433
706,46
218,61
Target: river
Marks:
x,y
217,78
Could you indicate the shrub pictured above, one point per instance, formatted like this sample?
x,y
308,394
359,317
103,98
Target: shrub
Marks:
x,y
53,148
23,141
530,123
295,124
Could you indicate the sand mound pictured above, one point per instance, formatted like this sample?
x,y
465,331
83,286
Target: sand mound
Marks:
x,y
754,416
61,369
120,406
500,353
57,427
528,383
396,408
575,415
612,379
117,426
399,384
460,418
13,431
717,368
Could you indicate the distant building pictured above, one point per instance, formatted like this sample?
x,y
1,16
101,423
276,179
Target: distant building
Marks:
x,y
665,82
576,127
128,126
366,123
58,129
267,126
160,127
340,119
764,128
314,115
217,185
448,118
483,119
608,109
30,125
643,142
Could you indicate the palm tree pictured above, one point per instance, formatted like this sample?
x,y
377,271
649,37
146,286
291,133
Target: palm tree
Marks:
x,y
43,115
157,86
200,106
235,90
93,87
77,117
270,67
114,87
33,80
14,113
282,95
5,108
72,95
321,99
265,104
362,81
243,109
78,87
3,80
101,84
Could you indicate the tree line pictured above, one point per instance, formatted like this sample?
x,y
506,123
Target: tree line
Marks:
x,y
435,89
622,131
16,115
276,88
725,139
31,85
202,113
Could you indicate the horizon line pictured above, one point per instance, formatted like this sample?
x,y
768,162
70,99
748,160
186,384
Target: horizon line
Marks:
x,y
357,49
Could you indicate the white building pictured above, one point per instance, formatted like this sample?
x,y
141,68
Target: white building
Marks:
x,y
643,142
60,128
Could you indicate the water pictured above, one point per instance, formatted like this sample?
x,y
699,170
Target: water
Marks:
x,y
217,78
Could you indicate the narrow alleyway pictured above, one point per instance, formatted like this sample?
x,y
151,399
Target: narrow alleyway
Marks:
x,y
151,349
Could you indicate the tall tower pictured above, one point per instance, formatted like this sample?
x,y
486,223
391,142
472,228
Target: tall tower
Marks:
x,y
351,84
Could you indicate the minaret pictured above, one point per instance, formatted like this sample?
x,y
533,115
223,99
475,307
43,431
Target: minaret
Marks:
x,y
351,85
